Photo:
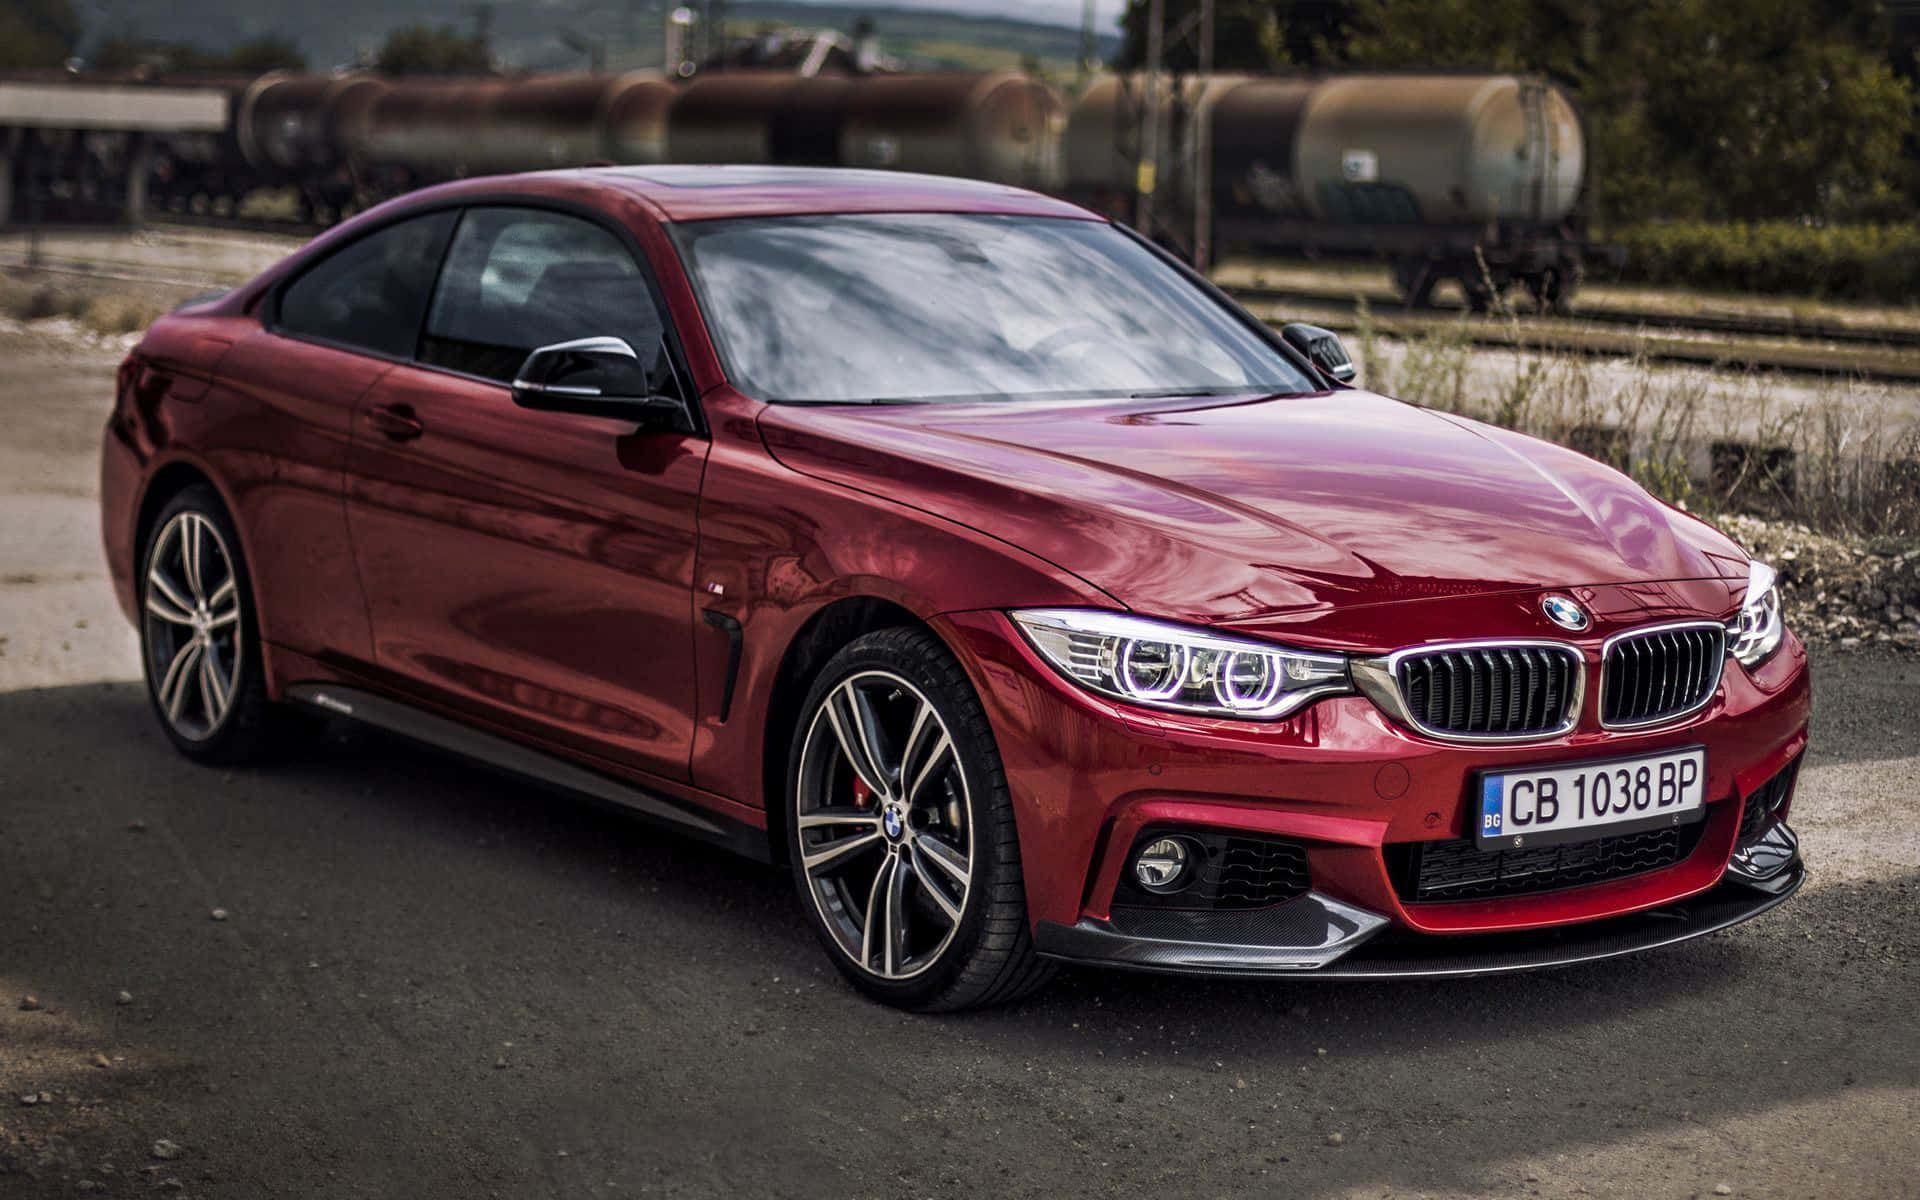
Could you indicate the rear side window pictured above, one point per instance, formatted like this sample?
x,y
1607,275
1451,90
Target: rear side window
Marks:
x,y
373,293
517,279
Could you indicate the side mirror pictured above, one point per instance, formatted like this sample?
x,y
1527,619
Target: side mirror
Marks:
x,y
1323,349
597,377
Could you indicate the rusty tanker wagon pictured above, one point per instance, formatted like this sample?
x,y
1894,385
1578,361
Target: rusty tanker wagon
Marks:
x,y
1474,178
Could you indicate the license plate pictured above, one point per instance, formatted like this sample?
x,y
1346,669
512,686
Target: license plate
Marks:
x,y
1539,806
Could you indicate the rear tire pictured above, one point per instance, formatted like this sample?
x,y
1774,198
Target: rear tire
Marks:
x,y
200,635
901,831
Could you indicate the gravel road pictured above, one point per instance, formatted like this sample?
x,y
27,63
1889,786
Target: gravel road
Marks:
x,y
432,982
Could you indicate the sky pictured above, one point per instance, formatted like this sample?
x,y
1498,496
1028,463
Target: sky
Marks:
x,y
1053,12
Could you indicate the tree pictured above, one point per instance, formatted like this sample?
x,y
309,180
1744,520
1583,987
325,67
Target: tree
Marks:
x,y
418,50
1781,113
1314,33
267,53
1695,108
253,57
37,33
1246,36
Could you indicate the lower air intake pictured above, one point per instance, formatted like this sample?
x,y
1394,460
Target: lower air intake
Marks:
x,y
1764,803
1427,872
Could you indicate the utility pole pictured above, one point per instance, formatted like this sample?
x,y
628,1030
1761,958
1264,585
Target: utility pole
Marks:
x,y
1200,148
1086,41
677,43
1174,125
1147,171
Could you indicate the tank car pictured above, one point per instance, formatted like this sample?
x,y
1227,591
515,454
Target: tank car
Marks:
x,y
379,137
291,129
449,128
997,125
1476,178
756,117
1000,126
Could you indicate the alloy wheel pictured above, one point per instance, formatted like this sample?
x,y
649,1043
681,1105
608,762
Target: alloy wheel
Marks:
x,y
192,625
885,826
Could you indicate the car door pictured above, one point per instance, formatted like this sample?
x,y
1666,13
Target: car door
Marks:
x,y
288,393
532,569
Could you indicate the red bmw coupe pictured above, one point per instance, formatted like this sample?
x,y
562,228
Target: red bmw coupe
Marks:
x,y
968,554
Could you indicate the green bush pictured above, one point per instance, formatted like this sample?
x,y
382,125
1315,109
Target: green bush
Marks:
x,y
1843,262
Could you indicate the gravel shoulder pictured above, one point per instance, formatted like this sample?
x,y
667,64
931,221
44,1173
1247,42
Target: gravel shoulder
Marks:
x,y
59,622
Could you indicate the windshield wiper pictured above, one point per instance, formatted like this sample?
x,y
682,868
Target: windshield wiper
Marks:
x,y
1171,393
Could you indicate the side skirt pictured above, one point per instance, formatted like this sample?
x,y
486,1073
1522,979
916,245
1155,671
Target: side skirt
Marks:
x,y
537,766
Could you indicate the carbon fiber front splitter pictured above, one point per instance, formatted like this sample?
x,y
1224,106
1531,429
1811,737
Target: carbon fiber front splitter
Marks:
x,y
1317,937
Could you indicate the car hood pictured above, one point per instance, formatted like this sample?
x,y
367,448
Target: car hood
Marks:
x,y
1234,510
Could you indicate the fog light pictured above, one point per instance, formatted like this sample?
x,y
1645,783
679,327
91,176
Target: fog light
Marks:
x,y
1164,865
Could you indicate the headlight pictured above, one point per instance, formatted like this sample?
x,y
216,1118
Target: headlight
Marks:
x,y
1755,634
1174,667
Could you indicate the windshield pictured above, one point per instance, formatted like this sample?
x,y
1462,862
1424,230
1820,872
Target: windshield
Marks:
x,y
922,307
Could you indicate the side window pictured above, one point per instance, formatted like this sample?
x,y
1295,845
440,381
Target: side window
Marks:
x,y
517,279
372,293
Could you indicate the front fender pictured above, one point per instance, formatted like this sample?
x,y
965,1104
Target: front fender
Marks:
x,y
777,547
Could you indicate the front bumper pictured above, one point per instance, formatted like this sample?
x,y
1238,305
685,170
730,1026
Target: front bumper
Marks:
x,y
1352,789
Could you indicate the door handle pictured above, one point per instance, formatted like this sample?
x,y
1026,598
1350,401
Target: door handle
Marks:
x,y
397,421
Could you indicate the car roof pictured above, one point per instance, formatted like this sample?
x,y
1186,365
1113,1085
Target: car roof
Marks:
x,y
685,192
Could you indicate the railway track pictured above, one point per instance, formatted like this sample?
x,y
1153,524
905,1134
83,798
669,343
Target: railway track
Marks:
x,y
1671,343
261,225
1599,313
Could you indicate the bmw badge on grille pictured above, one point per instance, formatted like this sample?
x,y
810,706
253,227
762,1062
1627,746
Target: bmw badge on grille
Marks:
x,y
1565,613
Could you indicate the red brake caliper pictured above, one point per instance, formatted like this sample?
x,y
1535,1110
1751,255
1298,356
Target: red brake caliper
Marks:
x,y
862,794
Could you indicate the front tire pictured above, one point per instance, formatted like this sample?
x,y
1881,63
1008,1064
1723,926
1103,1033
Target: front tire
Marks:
x,y
901,832
199,635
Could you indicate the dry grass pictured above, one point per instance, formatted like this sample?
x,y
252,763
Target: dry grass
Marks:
x,y
1838,457
100,312
103,306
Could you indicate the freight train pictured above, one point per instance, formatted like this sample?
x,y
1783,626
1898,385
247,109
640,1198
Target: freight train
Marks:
x,y
1477,178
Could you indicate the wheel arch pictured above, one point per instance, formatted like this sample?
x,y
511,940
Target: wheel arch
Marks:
x,y
167,480
836,625
163,485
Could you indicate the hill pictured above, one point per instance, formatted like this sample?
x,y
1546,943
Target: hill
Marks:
x,y
527,34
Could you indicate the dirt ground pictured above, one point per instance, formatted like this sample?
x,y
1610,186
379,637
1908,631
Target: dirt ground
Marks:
x,y
434,982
